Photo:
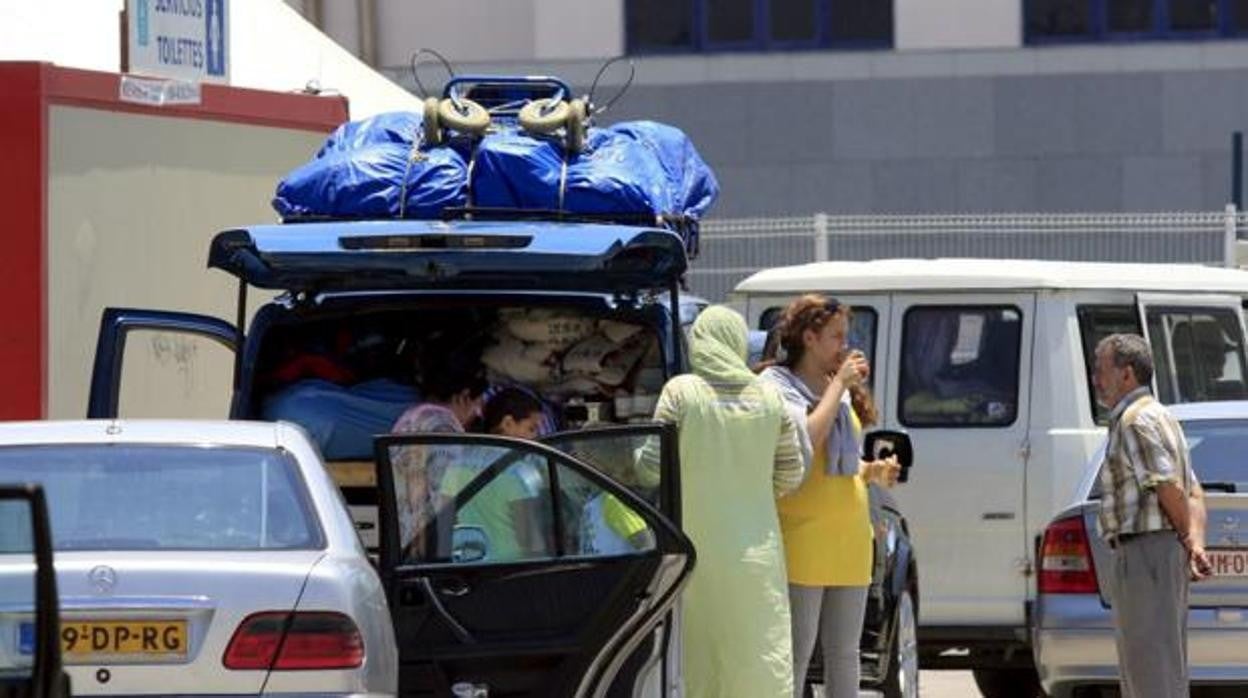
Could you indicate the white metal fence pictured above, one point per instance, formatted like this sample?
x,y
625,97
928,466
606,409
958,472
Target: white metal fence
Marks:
x,y
732,249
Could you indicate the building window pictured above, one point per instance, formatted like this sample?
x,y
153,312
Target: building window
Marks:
x,y
861,21
659,26
1098,20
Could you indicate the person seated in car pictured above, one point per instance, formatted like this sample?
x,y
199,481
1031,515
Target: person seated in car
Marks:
x,y
453,383
507,508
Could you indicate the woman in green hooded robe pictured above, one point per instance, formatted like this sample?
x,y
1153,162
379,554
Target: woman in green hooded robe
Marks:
x,y
738,451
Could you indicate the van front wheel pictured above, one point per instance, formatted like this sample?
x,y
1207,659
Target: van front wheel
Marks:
x,y
1008,683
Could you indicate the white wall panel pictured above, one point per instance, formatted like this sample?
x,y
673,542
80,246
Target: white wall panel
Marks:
x,y
133,202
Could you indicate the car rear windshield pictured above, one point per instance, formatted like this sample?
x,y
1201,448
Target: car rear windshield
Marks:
x,y
1217,447
166,497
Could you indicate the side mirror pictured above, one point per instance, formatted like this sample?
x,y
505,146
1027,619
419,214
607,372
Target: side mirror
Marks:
x,y
883,443
469,544
26,537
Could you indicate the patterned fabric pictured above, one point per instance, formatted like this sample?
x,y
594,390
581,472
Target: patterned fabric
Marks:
x,y
419,472
841,450
1146,448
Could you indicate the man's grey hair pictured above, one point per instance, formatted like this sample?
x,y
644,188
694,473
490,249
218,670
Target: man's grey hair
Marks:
x,y
1129,350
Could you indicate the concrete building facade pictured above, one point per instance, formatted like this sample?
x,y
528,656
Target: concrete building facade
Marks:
x,y
955,106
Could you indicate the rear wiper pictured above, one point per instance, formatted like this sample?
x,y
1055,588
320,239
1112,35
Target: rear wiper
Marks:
x,y
1220,486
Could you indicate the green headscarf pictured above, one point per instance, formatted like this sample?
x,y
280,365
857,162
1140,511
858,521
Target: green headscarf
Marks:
x,y
719,345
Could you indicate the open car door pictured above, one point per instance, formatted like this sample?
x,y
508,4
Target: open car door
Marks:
x,y
613,450
1198,346
176,355
518,569
29,606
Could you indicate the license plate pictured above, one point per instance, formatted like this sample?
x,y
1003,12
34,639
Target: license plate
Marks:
x,y
1229,563
164,639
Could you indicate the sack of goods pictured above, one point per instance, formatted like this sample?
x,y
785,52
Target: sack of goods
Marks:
x,y
390,166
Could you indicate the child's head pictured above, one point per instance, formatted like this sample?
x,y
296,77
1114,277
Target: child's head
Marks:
x,y
513,412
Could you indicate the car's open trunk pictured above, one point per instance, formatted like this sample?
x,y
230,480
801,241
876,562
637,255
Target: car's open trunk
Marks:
x,y
345,369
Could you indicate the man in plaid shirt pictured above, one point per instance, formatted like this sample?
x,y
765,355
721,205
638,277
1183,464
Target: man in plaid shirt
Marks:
x,y
1152,516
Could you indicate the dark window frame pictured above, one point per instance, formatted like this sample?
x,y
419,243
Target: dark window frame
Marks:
x,y
901,372
700,41
1100,32
1082,312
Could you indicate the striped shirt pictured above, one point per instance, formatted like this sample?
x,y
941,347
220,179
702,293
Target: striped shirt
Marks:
x,y
1146,448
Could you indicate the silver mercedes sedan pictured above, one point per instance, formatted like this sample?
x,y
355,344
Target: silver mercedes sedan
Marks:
x,y
197,558
1073,637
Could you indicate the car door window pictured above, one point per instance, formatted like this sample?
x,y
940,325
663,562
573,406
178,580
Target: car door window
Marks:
x,y
168,373
960,366
1198,354
465,503
631,456
17,558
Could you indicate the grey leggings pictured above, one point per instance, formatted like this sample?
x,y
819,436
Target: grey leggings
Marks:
x,y
834,615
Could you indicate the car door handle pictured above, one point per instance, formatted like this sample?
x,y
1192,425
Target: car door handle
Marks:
x,y
998,516
454,588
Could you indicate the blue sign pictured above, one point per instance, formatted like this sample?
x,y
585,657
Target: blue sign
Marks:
x,y
180,39
26,638
142,23
214,32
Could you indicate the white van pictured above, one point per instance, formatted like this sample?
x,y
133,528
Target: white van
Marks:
x,y
985,362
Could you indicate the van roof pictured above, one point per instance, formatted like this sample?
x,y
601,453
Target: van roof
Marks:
x,y
956,274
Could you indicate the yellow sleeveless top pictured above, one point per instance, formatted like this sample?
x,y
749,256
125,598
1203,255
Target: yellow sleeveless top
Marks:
x,y
827,529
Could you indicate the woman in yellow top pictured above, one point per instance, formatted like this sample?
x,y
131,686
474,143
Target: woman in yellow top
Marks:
x,y
826,523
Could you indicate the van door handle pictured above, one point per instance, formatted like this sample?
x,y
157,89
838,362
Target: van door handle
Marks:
x,y
998,516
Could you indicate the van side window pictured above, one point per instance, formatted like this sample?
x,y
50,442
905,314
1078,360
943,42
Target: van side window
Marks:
x,y
1198,354
960,365
863,324
1097,322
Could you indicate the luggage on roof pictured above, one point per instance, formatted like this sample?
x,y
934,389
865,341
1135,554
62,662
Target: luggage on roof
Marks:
x,y
409,165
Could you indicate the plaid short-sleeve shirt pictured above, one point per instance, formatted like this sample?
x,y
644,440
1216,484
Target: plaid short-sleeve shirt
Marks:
x,y
1146,448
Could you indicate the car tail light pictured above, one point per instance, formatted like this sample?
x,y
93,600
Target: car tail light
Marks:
x,y
284,641
1066,559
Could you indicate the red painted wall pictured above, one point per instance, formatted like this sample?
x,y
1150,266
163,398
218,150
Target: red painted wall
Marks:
x,y
23,150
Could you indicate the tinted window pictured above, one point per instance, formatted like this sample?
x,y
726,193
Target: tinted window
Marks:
x,y
477,502
1193,15
17,591
1239,15
126,497
1097,322
729,21
960,366
1198,354
1059,17
860,20
659,23
1130,16
793,20
863,325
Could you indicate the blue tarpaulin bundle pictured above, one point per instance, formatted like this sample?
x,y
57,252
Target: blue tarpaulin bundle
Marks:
x,y
376,168
369,169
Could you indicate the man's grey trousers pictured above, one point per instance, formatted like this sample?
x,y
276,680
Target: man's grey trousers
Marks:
x,y
1148,589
